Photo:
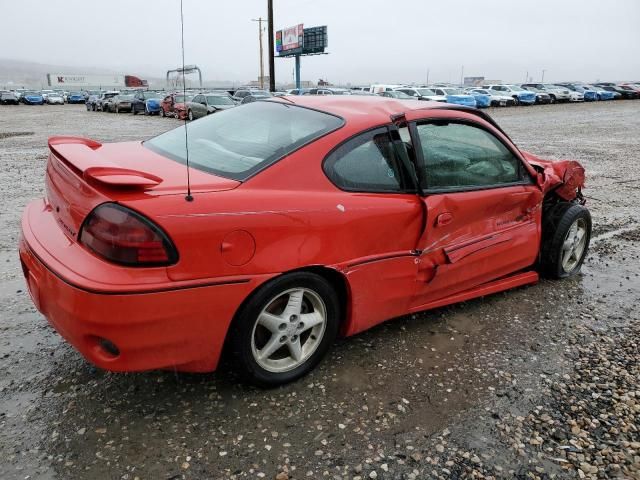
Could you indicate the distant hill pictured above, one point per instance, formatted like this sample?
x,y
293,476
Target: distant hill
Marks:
x,y
18,73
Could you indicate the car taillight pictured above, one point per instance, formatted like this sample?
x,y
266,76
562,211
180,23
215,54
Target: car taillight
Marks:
x,y
124,236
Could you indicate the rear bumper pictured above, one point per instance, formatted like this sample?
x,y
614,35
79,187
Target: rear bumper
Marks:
x,y
183,328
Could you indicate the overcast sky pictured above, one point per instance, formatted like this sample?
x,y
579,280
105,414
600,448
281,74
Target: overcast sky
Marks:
x,y
369,40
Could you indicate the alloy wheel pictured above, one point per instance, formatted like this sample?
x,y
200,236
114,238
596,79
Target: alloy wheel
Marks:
x,y
574,244
289,330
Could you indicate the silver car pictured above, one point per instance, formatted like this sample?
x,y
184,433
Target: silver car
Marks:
x,y
204,104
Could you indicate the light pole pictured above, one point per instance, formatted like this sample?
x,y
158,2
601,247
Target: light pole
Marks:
x,y
543,70
272,63
260,20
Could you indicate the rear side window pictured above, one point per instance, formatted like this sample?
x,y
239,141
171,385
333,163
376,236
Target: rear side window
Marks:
x,y
366,163
238,142
458,156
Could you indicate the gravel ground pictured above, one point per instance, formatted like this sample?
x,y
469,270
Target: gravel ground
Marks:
x,y
539,382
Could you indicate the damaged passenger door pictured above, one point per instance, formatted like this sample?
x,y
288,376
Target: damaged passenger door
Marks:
x,y
482,221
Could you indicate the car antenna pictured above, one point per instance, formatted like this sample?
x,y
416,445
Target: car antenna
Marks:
x,y
189,197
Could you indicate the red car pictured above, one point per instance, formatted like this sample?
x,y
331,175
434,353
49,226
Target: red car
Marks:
x,y
308,217
173,105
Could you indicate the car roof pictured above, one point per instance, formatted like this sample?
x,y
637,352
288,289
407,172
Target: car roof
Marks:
x,y
354,107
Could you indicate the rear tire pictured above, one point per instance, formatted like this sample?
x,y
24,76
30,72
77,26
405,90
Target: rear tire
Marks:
x,y
566,233
284,329
190,115
161,113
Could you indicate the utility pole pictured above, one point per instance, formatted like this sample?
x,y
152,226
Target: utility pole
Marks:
x,y
272,64
462,75
542,81
260,20
427,76
526,77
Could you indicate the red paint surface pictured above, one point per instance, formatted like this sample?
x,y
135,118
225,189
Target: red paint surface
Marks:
x,y
397,253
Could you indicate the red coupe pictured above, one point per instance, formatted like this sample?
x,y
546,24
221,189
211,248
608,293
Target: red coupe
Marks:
x,y
309,217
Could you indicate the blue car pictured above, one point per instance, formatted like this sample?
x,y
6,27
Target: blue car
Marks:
x,y
456,96
588,95
32,98
76,97
601,92
519,94
146,102
482,99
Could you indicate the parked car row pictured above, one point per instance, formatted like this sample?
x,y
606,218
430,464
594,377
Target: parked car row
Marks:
x,y
499,94
195,104
183,105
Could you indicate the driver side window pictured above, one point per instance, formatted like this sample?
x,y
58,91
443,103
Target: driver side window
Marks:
x,y
459,157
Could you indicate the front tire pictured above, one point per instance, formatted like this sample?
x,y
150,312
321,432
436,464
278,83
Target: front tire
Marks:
x,y
190,116
566,233
285,329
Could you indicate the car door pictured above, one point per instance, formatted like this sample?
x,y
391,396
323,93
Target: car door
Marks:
x,y
481,202
380,221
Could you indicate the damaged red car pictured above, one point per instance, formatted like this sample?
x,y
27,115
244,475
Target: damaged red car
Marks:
x,y
174,105
308,217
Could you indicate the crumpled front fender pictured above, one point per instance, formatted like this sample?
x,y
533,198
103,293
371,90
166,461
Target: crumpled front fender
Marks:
x,y
565,177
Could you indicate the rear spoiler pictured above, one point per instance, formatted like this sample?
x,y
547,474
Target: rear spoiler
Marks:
x,y
82,155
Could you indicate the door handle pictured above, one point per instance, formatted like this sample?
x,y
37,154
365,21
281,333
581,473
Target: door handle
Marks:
x,y
443,219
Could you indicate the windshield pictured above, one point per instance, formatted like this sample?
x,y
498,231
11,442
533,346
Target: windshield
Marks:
x,y
485,92
125,97
425,92
453,91
219,100
150,95
238,142
396,94
30,94
180,98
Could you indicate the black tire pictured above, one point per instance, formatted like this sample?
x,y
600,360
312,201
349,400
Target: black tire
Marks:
x,y
242,330
516,101
190,115
552,99
161,113
556,224
134,111
117,109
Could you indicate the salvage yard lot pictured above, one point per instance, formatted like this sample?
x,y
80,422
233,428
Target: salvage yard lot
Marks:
x,y
543,380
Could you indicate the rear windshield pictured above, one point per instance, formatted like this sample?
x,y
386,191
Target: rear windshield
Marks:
x,y
238,142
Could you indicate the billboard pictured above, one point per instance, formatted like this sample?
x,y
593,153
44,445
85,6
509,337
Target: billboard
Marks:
x,y
63,80
301,41
290,38
473,81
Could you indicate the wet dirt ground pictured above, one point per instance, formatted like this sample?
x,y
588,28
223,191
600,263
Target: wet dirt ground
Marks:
x,y
538,382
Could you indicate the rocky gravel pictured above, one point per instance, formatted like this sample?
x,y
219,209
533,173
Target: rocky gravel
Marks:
x,y
537,383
